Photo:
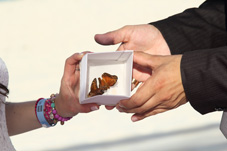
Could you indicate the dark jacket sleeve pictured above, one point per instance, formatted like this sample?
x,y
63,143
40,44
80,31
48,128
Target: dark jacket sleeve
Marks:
x,y
195,28
199,34
204,77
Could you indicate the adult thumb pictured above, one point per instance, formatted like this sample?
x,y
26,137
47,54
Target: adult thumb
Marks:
x,y
110,38
146,60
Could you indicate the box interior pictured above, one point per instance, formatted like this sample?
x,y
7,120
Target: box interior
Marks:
x,y
117,63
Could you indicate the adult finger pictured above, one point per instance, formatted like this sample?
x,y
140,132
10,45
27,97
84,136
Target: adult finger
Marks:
x,y
155,102
112,37
141,74
85,108
142,95
146,60
71,63
139,110
138,117
109,107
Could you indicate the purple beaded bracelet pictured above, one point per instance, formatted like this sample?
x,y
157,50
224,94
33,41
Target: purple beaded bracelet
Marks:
x,y
54,115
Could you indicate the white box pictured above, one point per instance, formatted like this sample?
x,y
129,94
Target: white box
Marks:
x,y
93,65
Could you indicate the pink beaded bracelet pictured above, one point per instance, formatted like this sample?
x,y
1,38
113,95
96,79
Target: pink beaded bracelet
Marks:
x,y
54,114
50,112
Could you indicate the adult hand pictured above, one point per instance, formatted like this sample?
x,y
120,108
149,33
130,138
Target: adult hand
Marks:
x,y
144,37
161,92
67,102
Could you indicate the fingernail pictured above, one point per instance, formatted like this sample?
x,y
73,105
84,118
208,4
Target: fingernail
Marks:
x,y
81,54
94,108
120,109
122,106
134,119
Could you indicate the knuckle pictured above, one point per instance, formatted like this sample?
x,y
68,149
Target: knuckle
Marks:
x,y
140,110
159,84
154,112
143,109
67,60
136,102
126,111
122,110
166,97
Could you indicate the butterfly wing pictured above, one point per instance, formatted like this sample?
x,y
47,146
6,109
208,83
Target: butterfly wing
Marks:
x,y
102,84
109,79
105,83
94,88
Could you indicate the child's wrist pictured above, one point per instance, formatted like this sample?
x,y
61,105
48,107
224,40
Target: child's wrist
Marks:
x,y
47,113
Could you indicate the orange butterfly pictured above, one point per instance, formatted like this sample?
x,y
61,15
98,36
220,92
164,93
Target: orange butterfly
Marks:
x,y
105,83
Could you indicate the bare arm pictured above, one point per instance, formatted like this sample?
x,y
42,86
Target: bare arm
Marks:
x,y
20,117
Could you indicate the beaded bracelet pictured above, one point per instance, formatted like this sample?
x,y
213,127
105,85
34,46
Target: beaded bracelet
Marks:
x,y
54,115
46,112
